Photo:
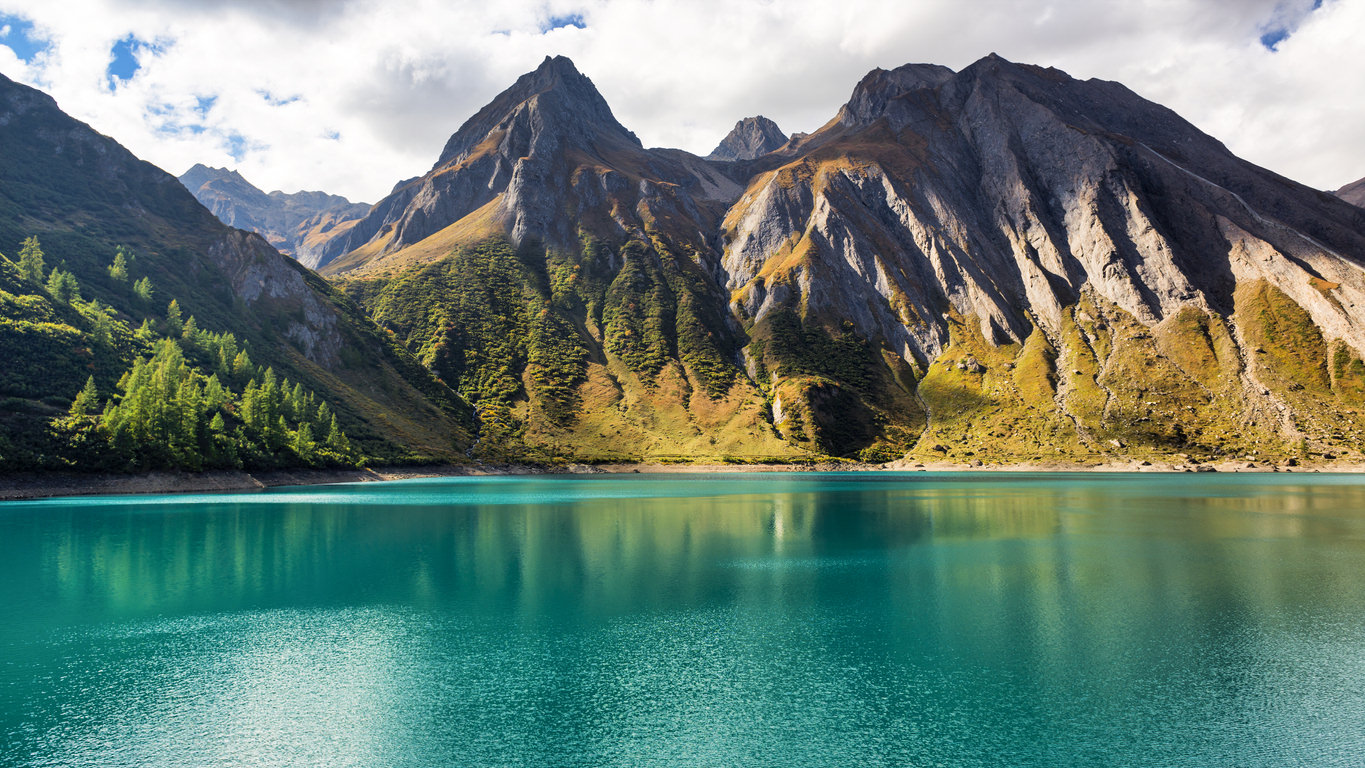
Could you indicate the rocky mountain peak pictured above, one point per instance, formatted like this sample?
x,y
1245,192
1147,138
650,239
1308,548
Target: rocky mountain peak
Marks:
x,y
880,86
204,181
555,97
751,138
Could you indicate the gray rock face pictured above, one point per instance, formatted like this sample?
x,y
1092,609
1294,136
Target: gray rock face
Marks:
x,y
1001,192
296,224
1353,193
751,138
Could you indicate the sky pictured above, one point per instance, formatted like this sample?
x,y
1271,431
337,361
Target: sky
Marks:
x,y
352,96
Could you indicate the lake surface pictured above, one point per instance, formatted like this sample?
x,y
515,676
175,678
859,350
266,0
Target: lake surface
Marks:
x,y
746,620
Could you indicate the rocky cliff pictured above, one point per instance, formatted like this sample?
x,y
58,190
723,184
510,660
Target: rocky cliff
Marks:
x,y
751,138
295,224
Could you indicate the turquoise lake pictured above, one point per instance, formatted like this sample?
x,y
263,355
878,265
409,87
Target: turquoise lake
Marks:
x,y
665,620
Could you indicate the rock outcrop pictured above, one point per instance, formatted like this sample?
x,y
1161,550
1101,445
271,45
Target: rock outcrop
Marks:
x,y
750,139
295,224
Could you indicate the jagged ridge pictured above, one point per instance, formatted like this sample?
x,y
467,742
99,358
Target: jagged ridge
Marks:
x,y
295,224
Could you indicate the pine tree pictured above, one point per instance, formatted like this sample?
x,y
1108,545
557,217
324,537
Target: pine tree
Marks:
x,y
215,395
252,410
296,403
304,446
31,260
119,269
270,393
227,351
323,419
336,439
173,318
242,368
143,289
63,286
280,434
145,332
104,327
87,400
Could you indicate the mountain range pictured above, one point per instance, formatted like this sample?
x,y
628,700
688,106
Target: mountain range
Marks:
x,y
294,223
999,263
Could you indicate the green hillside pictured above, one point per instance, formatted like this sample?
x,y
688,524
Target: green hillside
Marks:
x,y
87,201
609,353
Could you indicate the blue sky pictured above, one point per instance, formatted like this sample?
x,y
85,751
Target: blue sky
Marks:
x,y
16,32
351,96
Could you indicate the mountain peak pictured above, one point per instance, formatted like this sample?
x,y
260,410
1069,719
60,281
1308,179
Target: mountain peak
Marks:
x,y
559,64
562,97
880,86
751,138
201,174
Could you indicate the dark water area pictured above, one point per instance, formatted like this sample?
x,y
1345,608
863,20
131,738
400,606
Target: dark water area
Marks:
x,y
749,620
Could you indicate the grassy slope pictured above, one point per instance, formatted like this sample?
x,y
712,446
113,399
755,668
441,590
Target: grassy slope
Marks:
x,y
607,354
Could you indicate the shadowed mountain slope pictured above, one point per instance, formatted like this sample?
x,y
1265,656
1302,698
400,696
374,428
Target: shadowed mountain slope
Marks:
x,y
85,197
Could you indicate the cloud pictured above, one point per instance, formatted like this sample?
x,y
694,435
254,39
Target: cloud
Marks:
x,y
351,96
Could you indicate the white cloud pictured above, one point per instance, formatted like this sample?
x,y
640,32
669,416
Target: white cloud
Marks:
x,y
351,96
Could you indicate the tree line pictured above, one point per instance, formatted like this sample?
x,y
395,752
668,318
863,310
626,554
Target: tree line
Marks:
x,y
191,399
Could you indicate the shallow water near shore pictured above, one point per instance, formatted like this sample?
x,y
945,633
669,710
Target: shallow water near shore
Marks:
x,y
636,620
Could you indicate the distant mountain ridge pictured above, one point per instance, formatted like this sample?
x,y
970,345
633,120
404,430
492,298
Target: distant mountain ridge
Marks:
x,y
1353,193
546,146
295,224
751,138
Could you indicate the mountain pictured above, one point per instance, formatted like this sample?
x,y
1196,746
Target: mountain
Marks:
x,y
954,216
295,224
1353,193
544,157
751,138
581,310
1003,261
122,240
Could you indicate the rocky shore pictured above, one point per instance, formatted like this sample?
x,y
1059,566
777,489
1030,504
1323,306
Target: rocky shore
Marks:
x,y
48,485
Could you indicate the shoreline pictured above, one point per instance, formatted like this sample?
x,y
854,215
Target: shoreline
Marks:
x,y
34,485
